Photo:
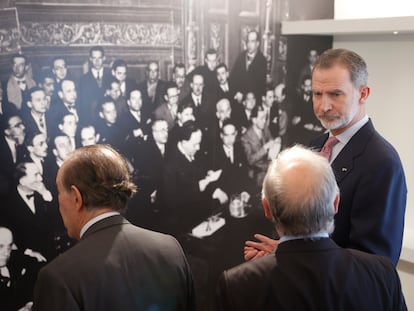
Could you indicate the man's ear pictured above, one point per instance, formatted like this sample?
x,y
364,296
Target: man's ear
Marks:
x,y
77,197
336,203
364,93
266,208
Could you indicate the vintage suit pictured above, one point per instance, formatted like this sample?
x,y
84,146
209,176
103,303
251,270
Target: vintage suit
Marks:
x,y
251,79
117,266
163,112
371,211
148,105
14,95
312,275
7,166
90,92
255,153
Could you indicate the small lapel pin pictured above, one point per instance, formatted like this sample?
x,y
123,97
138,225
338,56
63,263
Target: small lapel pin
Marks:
x,y
344,169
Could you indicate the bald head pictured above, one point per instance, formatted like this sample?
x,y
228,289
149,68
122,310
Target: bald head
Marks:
x,y
301,191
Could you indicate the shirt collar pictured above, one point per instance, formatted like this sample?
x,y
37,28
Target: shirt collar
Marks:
x,y
95,220
318,235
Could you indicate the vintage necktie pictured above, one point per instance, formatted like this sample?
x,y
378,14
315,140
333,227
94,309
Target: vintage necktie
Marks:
x,y
327,147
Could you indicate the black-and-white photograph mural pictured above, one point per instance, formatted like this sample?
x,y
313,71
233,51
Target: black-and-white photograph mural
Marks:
x,y
197,96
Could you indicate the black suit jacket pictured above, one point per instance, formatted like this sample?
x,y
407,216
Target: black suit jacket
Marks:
x,y
148,105
89,93
371,178
117,266
251,79
312,275
31,230
7,166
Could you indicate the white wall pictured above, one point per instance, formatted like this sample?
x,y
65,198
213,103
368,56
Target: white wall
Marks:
x,y
373,8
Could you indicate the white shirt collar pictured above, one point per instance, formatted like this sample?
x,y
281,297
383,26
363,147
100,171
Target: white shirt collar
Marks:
x,y
318,235
346,136
95,220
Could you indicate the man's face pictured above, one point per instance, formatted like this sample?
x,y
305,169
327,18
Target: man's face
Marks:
x,y
179,76
252,43
313,56
39,147
120,73
337,103
211,61
6,245
115,90
88,136
279,95
152,72
172,95
16,130
60,69
48,86
307,86
260,121
68,93
197,85
97,59
228,135
222,75
186,115
63,147
135,101
19,67
109,113
69,125
192,145
250,101
32,179
66,206
269,98
160,132
223,110
38,102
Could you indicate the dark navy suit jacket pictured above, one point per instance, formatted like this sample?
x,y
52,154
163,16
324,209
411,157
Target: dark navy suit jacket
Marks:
x,y
312,275
373,189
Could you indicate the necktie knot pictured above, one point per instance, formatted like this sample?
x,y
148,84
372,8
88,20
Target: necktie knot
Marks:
x,y
327,147
29,196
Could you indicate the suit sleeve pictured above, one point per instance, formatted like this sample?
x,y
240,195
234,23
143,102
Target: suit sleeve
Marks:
x,y
377,218
52,293
223,300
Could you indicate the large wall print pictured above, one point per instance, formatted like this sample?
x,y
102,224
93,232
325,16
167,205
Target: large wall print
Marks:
x,y
198,96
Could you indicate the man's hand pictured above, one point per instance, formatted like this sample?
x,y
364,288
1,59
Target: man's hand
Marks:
x,y
254,250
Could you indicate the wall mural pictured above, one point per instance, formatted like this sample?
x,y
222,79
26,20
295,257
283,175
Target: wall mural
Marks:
x,y
211,223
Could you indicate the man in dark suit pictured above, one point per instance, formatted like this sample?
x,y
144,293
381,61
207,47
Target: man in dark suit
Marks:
x,y
120,72
249,70
152,88
308,270
17,274
188,187
12,150
66,103
92,84
36,118
203,105
368,169
27,211
115,265
228,155
207,71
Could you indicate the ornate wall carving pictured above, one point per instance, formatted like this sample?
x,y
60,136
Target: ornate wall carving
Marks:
x,y
62,34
